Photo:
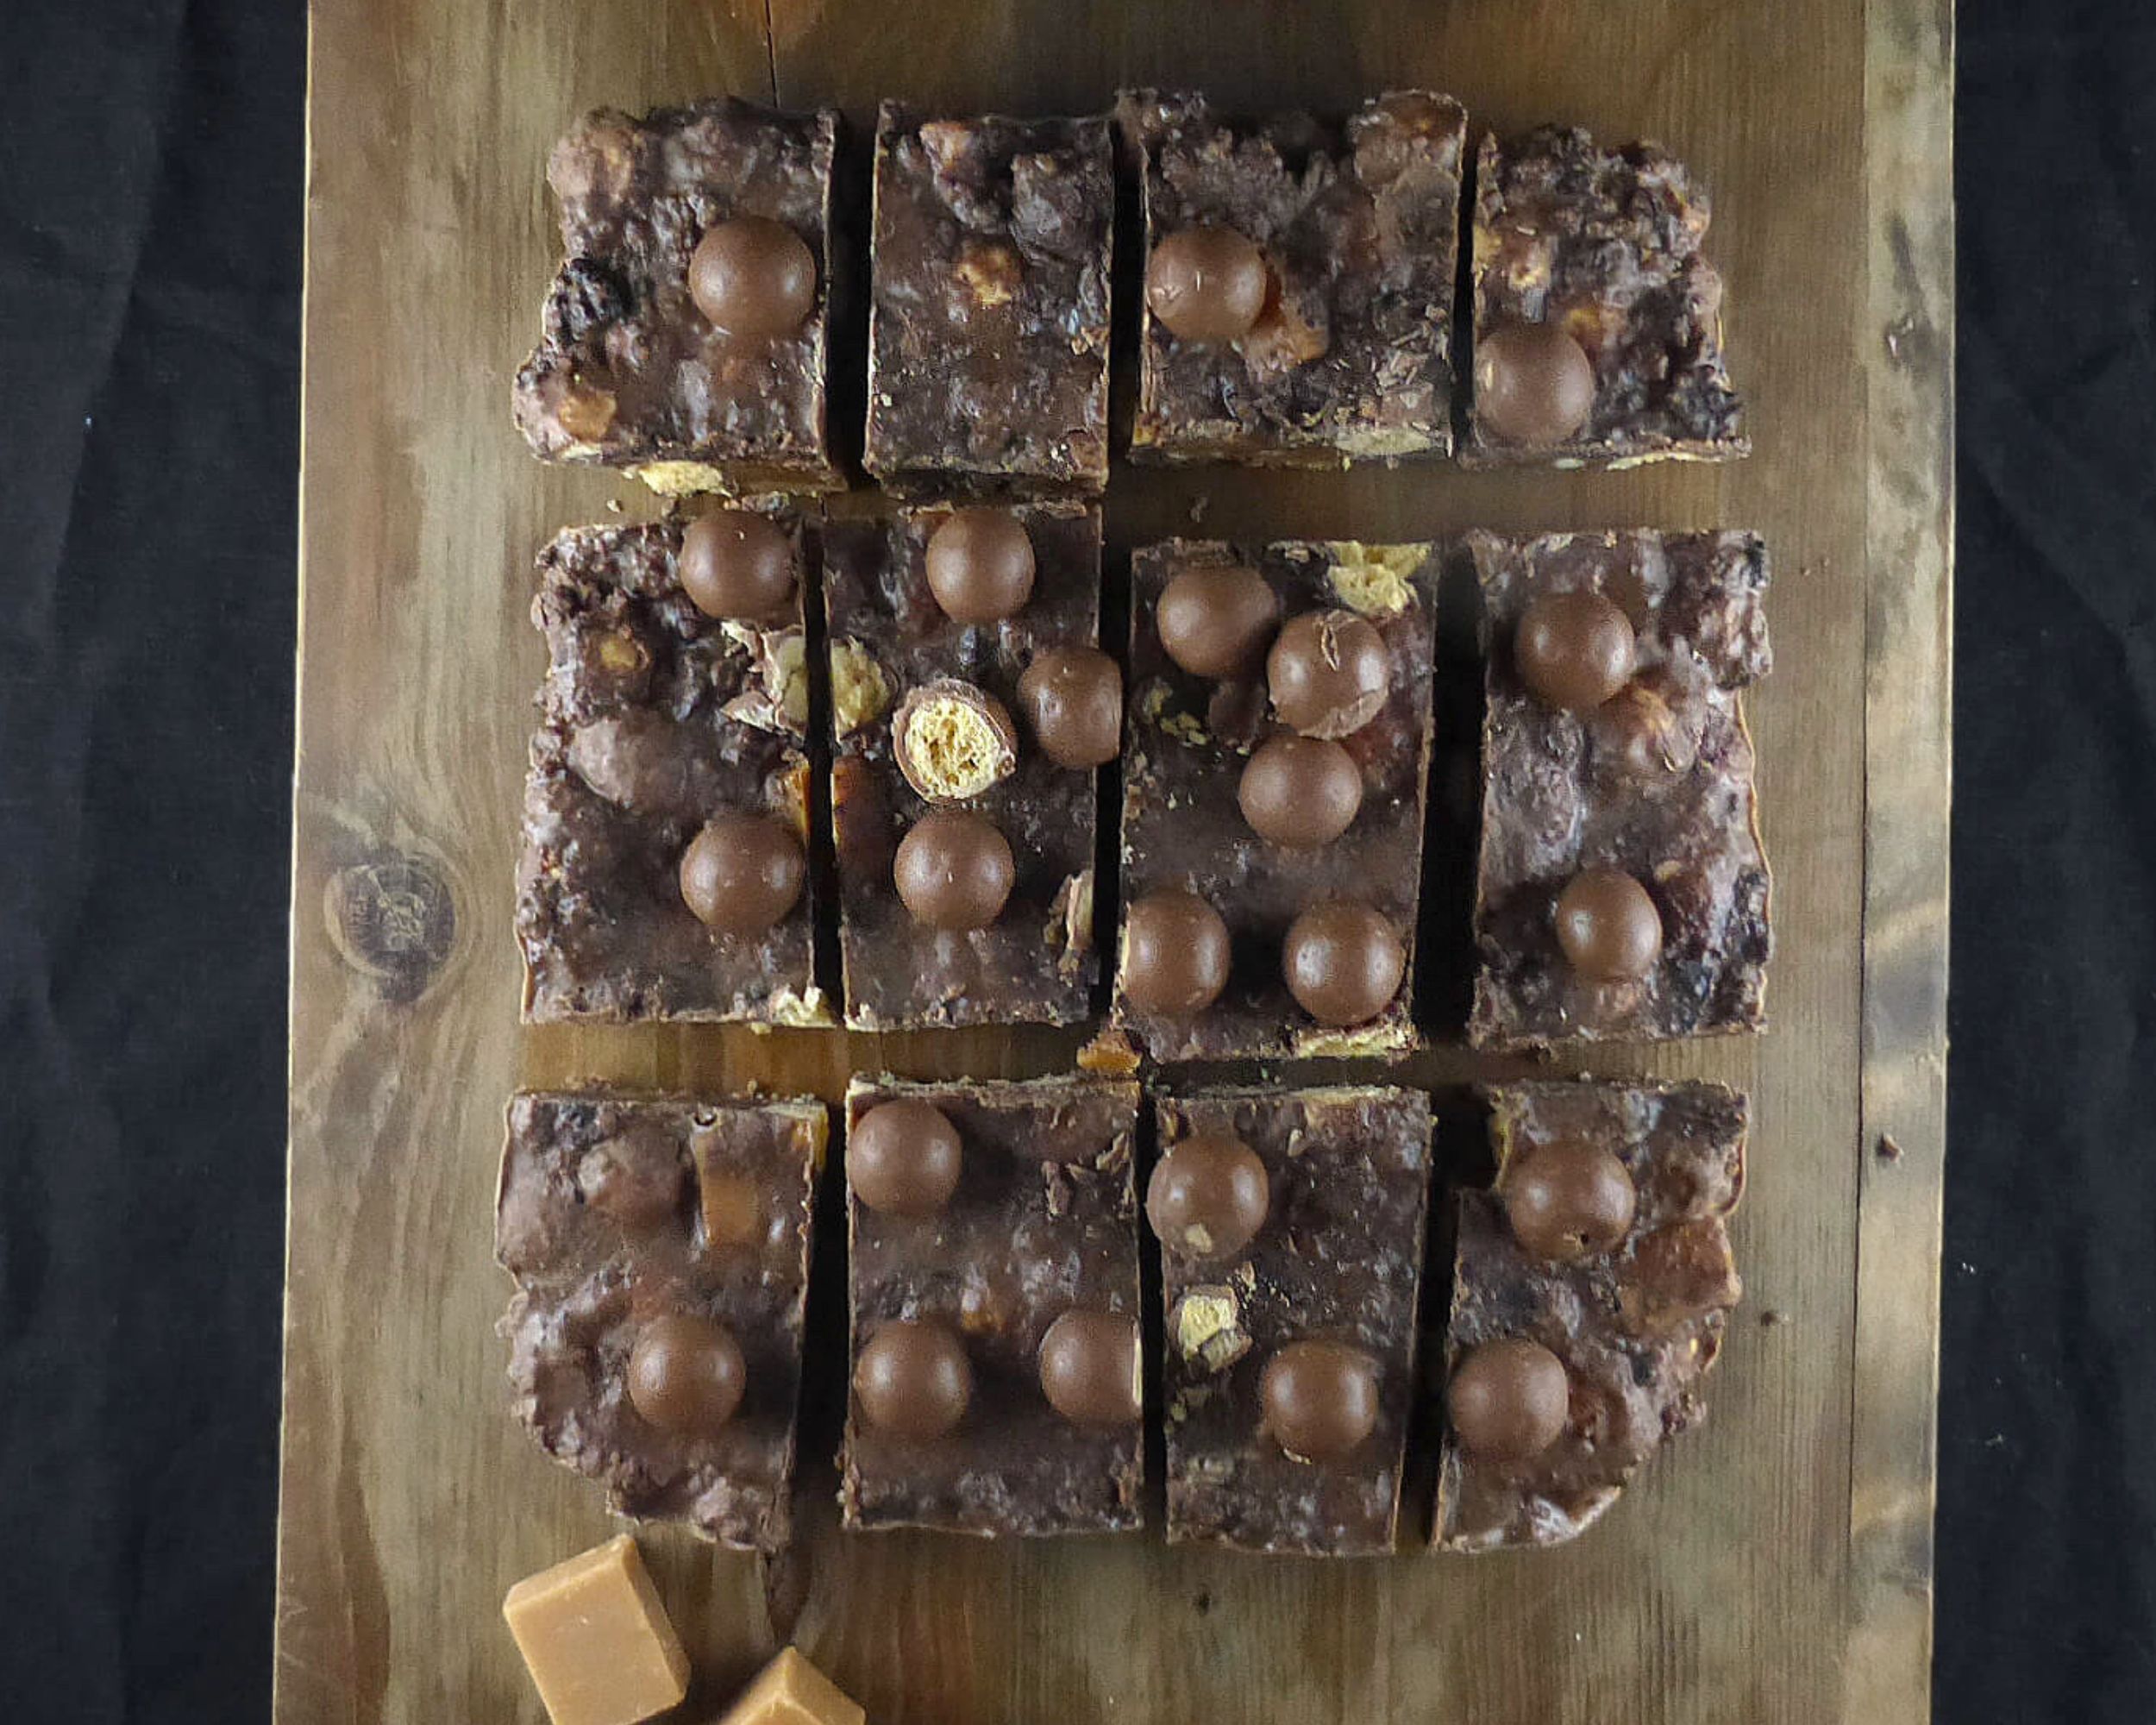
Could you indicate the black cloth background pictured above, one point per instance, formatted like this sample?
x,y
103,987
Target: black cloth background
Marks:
x,y
150,213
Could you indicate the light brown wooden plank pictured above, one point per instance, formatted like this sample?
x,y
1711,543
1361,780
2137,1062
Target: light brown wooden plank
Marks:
x,y
1762,1570
1907,354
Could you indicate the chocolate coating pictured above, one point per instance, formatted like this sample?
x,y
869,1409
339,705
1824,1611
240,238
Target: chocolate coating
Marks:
x,y
1073,699
639,1193
1534,383
686,1374
914,1380
981,565
1208,1196
904,1158
1215,621
1573,649
1344,962
1302,791
753,278
1206,283
1174,953
738,564
954,870
1568,1199
1089,1369
1319,1399
1643,734
742,873
1607,926
1328,672
1509,1400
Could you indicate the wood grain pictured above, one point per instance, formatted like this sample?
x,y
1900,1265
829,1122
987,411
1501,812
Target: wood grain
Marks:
x,y
1774,1566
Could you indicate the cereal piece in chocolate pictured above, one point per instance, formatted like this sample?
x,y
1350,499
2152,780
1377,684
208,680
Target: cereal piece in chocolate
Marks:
x,y
1299,280
1597,318
685,334
1622,889
995,1373
1591,1292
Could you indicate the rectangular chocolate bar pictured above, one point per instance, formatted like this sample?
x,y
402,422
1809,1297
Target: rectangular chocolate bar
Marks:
x,y
659,725
1590,1293
1597,318
1316,329
710,380
1622,889
660,1248
904,670
988,317
1196,745
993,1287
1288,1357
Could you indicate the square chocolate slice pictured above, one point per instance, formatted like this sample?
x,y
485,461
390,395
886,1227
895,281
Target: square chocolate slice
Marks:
x,y
971,704
661,1250
664,874
1299,280
1597,319
1590,1295
997,1361
687,333
1291,1227
1274,782
1622,889
988,317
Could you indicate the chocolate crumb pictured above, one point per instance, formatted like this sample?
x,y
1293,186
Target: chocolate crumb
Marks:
x,y
1888,1150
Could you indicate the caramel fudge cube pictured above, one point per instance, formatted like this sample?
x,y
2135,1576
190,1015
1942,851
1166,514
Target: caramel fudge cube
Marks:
x,y
792,1692
596,1639
1591,1291
665,872
1290,1227
968,728
993,1289
1597,318
685,336
1622,889
1299,280
988,317
661,1249
1274,774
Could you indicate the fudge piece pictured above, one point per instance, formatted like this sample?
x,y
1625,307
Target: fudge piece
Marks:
x,y
988,320
1298,300
1590,1292
993,1287
1273,787
664,872
660,1251
1291,1227
1597,322
792,1692
971,704
1622,890
685,334
595,1639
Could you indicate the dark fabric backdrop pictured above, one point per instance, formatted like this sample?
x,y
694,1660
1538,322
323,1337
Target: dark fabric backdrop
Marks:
x,y
150,209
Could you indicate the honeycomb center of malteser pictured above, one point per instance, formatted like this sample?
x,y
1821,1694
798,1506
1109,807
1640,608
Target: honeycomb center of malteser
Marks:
x,y
955,748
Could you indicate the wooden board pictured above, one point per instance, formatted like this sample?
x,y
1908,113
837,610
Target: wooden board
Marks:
x,y
1773,1567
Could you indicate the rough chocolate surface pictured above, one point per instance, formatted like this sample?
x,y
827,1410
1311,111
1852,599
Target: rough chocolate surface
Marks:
x,y
1340,1258
1044,1220
627,372
1558,797
1186,741
889,637
601,1219
989,321
1351,359
1607,244
653,718
1637,1329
